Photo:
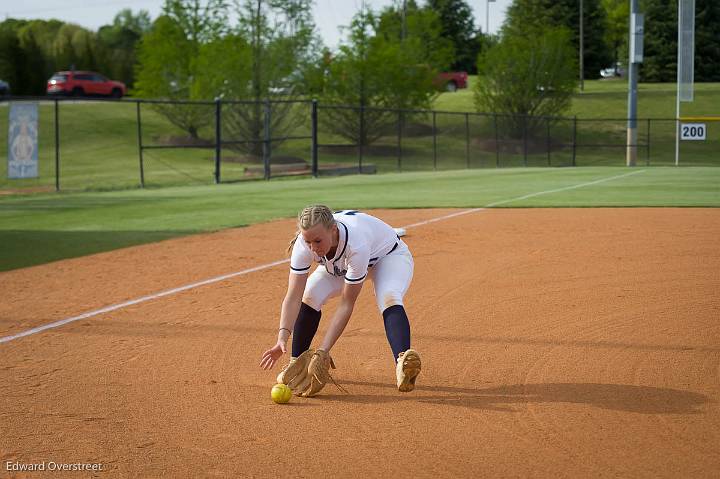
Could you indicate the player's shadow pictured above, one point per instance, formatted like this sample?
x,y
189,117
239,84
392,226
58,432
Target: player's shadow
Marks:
x,y
619,397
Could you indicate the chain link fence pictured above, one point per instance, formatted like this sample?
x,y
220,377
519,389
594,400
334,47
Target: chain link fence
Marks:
x,y
111,144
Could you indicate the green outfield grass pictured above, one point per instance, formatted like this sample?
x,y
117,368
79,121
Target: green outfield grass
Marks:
x,y
35,229
608,99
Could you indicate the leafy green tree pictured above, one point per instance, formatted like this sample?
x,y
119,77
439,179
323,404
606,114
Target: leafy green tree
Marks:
x,y
458,26
525,16
707,41
277,45
616,32
377,73
74,48
117,43
423,31
167,59
527,77
165,71
660,49
283,42
12,57
660,43
36,40
35,49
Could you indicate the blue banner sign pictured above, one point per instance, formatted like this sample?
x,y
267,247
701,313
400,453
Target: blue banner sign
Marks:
x,y
23,141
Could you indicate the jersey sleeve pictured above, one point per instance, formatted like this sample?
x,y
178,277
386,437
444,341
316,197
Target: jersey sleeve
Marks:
x,y
358,264
301,257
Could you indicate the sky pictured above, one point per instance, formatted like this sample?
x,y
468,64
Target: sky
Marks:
x,y
329,15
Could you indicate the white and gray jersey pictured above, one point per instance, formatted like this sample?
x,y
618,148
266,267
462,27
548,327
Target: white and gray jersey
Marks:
x,y
363,240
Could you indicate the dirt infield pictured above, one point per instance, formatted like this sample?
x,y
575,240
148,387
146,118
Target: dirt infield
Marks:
x,y
555,343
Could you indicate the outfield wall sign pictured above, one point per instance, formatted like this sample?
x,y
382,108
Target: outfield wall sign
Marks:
x,y
23,141
693,131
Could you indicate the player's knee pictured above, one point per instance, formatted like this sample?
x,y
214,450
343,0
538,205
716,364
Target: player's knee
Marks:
x,y
312,301
388,299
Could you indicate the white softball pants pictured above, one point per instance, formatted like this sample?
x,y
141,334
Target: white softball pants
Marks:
x,y
391,277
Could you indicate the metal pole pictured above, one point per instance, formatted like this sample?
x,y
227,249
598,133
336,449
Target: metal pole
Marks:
x,y
647,152
399,140
403,32
434,117
582,46
57,147
140,145
362,136
266,144
677,96
631,154
547,141
574,144
467,140
497,142
314,134
487,17
525,141
218,138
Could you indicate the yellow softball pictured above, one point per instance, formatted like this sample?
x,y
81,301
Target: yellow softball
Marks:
x,y
281,393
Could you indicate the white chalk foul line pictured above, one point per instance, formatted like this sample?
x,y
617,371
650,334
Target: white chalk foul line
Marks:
x,y
520,198
114,307
216,279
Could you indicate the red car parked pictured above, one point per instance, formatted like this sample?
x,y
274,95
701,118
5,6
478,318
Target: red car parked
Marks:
x,y
451,81
82,83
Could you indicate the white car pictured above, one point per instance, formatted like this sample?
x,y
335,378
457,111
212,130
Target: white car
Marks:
x,y
612,72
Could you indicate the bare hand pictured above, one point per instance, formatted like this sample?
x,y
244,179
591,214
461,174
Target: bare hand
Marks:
x,y
270,357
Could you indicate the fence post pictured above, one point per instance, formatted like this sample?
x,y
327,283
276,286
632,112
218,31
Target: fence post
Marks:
x,y
140,144
399,139
314,134
57,147
574,143
467,140
647,157
497,142
434,129
218,138
266,143
362,137
547,140
525,141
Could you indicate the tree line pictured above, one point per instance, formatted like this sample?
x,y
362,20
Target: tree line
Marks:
x,y
532,70
32,50
388,59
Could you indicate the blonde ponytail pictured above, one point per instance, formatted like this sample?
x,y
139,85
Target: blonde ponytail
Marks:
x,y
309,217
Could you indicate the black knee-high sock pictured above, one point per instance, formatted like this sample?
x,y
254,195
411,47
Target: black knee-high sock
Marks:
x,y
397,329
305,328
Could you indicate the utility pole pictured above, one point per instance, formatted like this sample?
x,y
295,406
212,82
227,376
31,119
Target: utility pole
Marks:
x,y
487,17
403,32
637,25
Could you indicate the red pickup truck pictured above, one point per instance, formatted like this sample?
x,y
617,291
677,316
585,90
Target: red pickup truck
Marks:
x,y
82,83
451,81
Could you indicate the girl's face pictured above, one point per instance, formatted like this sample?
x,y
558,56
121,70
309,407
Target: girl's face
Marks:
x,y
320,239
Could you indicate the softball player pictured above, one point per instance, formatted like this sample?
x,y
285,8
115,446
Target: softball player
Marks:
x,y
348,247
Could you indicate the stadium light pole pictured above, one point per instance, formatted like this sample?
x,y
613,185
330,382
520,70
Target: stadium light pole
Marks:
x,y
487,16
635,58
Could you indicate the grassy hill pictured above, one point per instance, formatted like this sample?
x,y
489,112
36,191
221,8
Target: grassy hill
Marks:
x,y
99,141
